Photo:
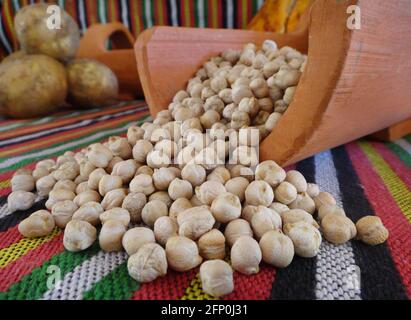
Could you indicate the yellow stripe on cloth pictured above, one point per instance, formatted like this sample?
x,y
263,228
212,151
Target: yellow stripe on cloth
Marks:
x,y
399,191
22,247
195,292
5,184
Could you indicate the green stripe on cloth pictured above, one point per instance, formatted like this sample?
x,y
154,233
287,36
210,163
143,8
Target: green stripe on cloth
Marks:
x,y
34,285
59,148
400,152
117,285
408,138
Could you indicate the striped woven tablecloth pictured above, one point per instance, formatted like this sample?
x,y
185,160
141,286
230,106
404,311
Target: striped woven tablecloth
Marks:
x,y
365,177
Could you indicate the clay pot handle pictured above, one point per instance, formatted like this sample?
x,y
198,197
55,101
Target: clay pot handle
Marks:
x,y
95,38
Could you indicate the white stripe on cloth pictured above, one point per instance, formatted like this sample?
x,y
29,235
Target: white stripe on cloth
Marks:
x,y
85,275
230,20
70,145
102,11
335,269
259,3
404,144
82,16
200,12
4,210
62,128
149,18
174,19
124,13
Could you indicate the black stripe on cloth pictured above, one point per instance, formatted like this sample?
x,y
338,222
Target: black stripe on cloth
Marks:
x,y
224,14
297,281
128,16
14,218
235,14
379,276
3,200
68,127
168,8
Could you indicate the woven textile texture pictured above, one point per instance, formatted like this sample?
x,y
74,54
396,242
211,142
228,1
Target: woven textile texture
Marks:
x,y
138,15
366,177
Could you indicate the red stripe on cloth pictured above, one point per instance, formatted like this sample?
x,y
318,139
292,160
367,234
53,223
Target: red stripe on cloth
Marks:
x,y
401,170
192,14
254,287
170,287
7,238
399,241
16,270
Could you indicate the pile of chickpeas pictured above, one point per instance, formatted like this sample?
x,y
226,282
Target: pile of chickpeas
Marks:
x,y
187,189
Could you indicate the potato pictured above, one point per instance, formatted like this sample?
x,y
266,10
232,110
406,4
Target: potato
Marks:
x,y
91,83
32,85
36,38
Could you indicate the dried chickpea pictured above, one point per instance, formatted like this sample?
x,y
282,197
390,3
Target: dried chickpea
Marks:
x,y
135,238
179,205
259,193
95,177
182,253
277,249
216,278
79,235
313,190
285,193
134,134
249,105
141,149
47,164
193,173
212,245
63,212
65,184
306,238
278,207
114,199
324,198
162,196
219,174
246,255
59,195
265,219
22,182
125,170
296,215
40,172
108,183
38,224
242,171
152,211
87,196
89,212
134,203
111,234
272,121
86,167
237,186
270,172
239,119
304,202
297,180
327,209
208,191
20,200
371,230
165,228
148,263
180,189
338,229
45,185
194,222
226,207
119,214
209,118
248,212
142,183
236,229
99,155
67,171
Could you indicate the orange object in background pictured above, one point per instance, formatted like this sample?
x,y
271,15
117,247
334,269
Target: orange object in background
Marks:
x,y
279,16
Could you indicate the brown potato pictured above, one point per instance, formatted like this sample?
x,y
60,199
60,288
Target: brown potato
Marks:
x,y
32,85
91,83
36,38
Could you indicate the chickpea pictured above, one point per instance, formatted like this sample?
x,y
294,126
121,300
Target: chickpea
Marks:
x,y
135,238
165,228
179,205
158,159
40,173
259,193
152,211
141,149
148,263
20,200
111,235
99,155
239,119
324,198
162,196
237,186
214,103
86,167
134,133
306,238
246,255
62,212
180,189
38,224
236,229
114,199
65,184
193,173
87,196
270,172
280,106
142,183
297,180
371,230
287,77
219,174
47,164
108,183
277,249
285,193
45,185
22,182
272,121
95,177
289,94
209,118
228,111
242,171
226,207
182,254
338,229
327,209
248,212
79,235
89,212
278,207
296,215
313,190
194,222
59,195
304,202
216,278
265,219
119,214
212,245
145,170
125,170
208,191
67,171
